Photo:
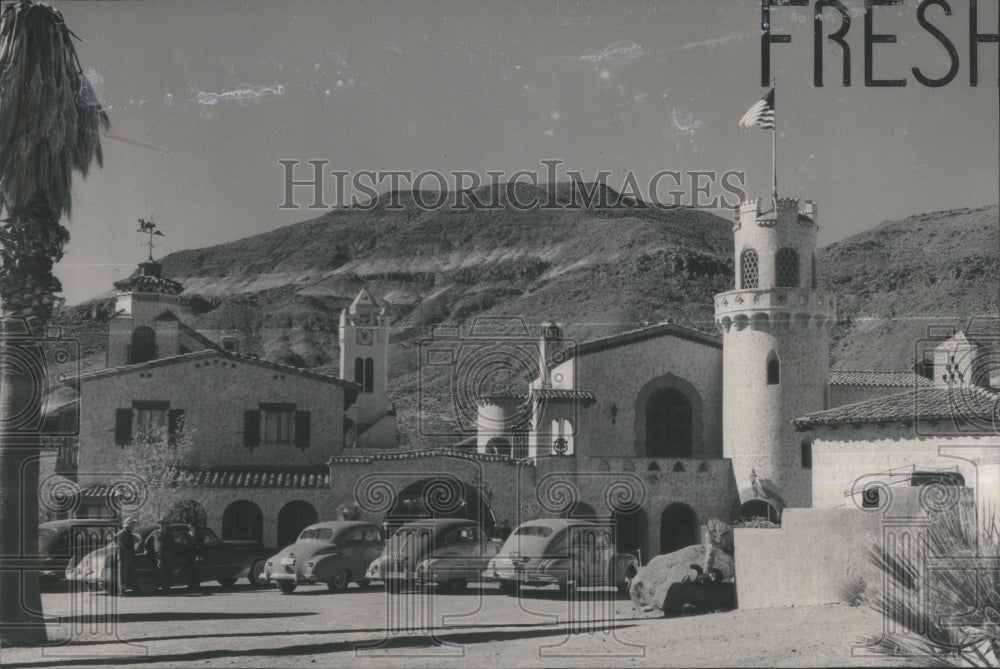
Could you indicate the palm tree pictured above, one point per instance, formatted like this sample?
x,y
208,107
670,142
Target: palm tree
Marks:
x,y
49,127
941,594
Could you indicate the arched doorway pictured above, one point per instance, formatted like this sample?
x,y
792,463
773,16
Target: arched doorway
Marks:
x,y
292,519
669,424
759,509
243,521
442,497
581,511
630,534
498,446
143,348
678,528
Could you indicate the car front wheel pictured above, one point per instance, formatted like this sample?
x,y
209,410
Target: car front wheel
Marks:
x,y
338,581
147,585
256,575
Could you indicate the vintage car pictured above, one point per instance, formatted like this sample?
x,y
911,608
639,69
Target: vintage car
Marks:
x,y
566,553
459,558
63,543
411,544
224,561
334,553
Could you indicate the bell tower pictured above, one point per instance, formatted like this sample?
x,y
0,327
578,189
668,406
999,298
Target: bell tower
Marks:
x,y
776,328
364,360
143,327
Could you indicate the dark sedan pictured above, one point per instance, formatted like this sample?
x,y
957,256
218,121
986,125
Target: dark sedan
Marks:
x,y
224,561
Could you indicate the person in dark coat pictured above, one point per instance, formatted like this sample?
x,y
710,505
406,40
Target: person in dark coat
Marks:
x,y
195,554
125,556
160,545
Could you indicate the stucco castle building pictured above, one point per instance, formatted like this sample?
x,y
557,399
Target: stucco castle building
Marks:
x,y
659,429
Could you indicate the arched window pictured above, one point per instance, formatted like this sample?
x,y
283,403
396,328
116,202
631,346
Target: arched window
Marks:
x,y
749,269
562,437
143,345
369,375
669,424
773,369
243,521
786,268
679,467
653,467
813,267
359,371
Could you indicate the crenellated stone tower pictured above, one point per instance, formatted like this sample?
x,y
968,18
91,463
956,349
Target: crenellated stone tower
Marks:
x,y
364,359
776,328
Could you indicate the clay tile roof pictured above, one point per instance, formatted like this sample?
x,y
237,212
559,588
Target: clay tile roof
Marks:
x,y
971,407
368,458
260,477
561,394
845,377
541,393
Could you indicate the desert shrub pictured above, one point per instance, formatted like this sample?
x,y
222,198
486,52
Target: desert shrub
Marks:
x,y
948,615
852,591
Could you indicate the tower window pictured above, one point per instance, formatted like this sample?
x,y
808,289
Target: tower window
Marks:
x,y
749,269
369,375
773,370
359,371
786,267
143,347
813,267
807,454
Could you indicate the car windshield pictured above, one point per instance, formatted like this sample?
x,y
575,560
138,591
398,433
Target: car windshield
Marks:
x,y
319,533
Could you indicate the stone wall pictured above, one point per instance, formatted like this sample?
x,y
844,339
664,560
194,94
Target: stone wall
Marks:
x,y
214,391
817,553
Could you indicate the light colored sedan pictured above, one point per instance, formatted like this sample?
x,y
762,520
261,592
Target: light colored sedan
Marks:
x,y
333,553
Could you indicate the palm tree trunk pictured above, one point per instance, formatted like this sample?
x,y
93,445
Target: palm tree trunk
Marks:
x,y
20,404
33,241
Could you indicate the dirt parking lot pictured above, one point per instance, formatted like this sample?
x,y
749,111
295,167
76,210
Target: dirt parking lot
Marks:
x,y
244,626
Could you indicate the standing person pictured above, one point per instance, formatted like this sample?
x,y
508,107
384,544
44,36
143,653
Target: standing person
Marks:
x,y
195,554
160,545
125,556
504,530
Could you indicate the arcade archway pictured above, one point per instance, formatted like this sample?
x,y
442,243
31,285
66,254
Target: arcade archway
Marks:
x,y
678,528
441,497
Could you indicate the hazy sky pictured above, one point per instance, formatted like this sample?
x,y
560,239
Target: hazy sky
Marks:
x,y
227,89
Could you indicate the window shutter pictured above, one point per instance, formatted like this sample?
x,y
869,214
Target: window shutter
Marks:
x,y
175,420
251,428
123,427
302,429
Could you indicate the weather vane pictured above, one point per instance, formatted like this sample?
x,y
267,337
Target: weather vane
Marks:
x,y
149,228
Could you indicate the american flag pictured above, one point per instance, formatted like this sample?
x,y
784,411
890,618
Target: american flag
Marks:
x,y
762,113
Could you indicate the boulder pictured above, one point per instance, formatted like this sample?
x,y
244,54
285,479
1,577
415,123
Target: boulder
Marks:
x,y
650,585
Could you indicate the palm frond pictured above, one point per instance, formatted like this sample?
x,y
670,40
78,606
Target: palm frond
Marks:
x,y
940,595
50,120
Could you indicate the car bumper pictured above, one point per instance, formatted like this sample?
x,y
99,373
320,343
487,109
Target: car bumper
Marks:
x,y
520,576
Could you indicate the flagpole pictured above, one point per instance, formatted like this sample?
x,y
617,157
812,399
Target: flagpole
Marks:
x,y
774,152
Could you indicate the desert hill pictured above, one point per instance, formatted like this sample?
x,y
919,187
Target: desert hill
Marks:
x,y
597,270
